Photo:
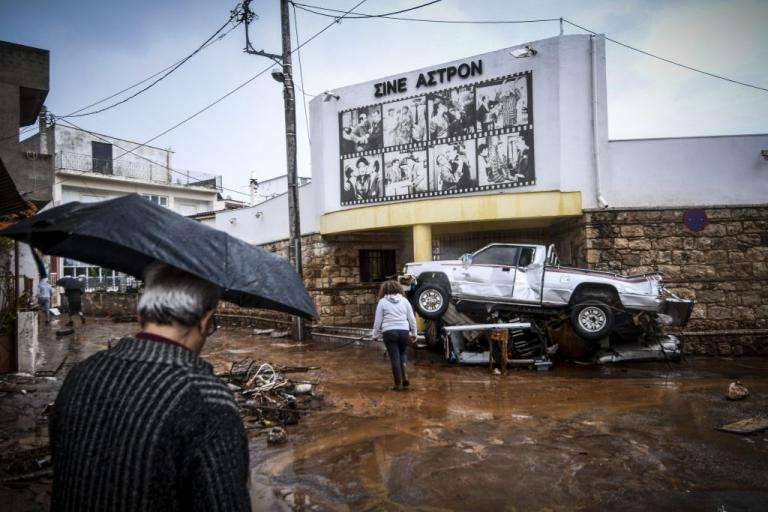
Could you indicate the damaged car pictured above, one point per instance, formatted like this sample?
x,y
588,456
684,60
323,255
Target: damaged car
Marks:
x,y
505,282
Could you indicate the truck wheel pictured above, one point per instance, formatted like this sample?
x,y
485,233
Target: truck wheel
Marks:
x,y
592,320
431,301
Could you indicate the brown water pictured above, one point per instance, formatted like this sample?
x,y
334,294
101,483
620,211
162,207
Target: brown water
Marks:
x,y
632,437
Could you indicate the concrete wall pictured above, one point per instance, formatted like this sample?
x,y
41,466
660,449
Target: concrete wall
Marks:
x,y
696,171
92,187
562,112
268,221
24,83
71,140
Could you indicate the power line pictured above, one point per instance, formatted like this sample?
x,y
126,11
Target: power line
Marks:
x,y
301,74
155,82
150,77
669,61
361,16
254,77
309,8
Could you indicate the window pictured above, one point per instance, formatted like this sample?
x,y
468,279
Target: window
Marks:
x,y
377,265
101,155
505,255
161,200
96,278
526,256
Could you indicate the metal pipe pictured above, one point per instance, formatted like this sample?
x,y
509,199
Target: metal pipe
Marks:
x,y
488,327
595,130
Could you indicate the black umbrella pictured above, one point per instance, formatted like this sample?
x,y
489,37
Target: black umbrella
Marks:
x,y
71,283
130,232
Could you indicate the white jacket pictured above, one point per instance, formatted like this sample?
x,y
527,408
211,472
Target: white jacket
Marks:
x,y
394,312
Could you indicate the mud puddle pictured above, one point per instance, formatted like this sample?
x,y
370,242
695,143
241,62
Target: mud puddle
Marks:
x,y
630,437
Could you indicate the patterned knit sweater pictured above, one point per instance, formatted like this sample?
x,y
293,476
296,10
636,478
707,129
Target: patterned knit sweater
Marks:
x,y
146,425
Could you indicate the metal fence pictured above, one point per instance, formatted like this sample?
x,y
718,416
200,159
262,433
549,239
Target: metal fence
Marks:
x,y
142,170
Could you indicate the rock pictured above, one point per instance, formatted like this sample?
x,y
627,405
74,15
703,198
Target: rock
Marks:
x,y
302,389
277,435
736,391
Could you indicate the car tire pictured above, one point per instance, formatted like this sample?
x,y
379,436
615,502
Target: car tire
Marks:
x,y
592,320
431,301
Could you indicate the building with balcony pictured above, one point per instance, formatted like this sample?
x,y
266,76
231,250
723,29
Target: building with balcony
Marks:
x,y
91,167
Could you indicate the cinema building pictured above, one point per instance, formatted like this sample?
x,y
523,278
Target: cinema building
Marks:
x,y
511,146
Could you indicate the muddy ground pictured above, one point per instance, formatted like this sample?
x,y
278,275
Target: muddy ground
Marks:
x,y
629,437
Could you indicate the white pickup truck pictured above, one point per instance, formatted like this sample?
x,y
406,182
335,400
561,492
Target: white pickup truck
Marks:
x,y
528,279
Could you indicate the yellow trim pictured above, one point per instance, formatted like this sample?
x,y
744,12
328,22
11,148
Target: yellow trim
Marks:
x,y
422,242
526,205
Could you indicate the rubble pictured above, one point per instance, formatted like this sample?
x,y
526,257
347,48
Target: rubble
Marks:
x,y
266,397
277,435
737,391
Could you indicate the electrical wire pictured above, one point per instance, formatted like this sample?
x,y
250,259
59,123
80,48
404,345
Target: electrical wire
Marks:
x,y
361,16
150,77
669,61
301,73
254,77
308,8
155,82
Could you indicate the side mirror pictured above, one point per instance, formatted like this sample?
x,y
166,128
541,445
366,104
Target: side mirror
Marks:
x,y
466,260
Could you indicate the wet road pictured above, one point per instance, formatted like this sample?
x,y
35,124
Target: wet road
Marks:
x,y
626,437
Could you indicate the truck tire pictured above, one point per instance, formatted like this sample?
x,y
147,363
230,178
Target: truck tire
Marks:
x,y
430,301
592,319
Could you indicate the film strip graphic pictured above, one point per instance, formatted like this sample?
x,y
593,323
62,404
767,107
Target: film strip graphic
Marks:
x,y
428,149
437,193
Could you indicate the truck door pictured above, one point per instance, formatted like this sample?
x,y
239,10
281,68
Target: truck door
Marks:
x,y
492,273
528,276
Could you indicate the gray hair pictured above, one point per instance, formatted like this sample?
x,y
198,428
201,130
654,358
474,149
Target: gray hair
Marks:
x,y
172,295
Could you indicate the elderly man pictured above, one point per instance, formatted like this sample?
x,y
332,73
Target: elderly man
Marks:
x,y
146,425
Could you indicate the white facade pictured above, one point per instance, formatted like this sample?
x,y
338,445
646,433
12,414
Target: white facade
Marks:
x,y
268,221
264,190
695,171
562,113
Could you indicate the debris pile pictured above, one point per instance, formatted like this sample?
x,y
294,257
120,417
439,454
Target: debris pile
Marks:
x,y
268,398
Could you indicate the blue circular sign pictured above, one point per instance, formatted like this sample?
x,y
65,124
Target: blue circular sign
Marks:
x,y
695,219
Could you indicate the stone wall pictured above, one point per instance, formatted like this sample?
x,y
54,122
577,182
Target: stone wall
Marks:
x,y
723,267
332,277
109,304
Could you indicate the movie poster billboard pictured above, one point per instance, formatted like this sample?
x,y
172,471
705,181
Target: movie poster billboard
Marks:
x,y
451,141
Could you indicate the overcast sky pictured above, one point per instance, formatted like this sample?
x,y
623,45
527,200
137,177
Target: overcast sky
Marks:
x,y
99,47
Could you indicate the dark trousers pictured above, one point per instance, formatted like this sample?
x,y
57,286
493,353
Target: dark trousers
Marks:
x,y
396,342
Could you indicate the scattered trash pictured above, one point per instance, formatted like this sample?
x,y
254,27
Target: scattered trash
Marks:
x,y
277,435
267,397
27,464
124,318
302,389
746,426
54,311
65,332
737,391
279,334
263,332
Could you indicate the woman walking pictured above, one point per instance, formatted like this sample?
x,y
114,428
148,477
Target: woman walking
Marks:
x,y
396,324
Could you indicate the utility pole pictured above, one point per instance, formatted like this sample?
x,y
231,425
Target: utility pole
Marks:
x,y
289,100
